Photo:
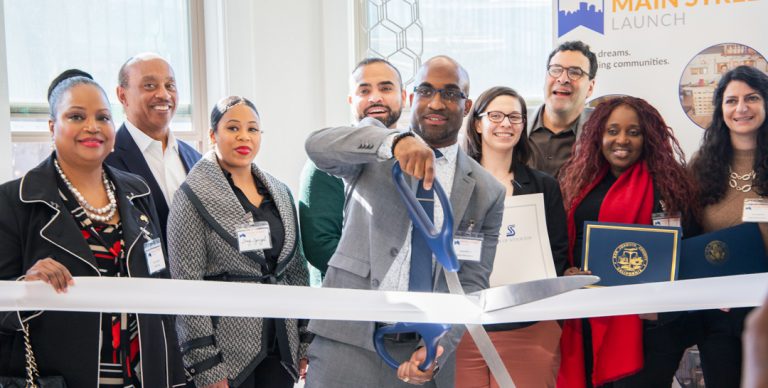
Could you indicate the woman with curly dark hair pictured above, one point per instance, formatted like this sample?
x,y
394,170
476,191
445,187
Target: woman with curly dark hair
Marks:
x,y
730,167
626,165
732,163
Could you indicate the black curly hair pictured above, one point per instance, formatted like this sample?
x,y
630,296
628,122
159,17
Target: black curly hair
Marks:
x,y
710,166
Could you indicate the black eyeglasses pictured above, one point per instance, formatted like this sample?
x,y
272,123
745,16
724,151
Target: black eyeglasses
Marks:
x,y
497,117
574,73
452,95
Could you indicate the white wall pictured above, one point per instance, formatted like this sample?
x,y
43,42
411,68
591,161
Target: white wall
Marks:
x,y
5,113
292,58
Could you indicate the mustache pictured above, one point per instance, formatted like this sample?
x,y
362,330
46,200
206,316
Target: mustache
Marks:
x,y
434,112
377,106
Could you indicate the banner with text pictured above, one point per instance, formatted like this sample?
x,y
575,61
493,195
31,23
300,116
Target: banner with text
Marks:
x,y
670,52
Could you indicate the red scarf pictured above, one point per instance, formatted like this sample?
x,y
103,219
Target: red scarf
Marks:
x,y
617,342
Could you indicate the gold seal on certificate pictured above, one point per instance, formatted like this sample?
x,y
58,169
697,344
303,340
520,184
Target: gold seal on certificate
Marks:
x,y
630,259
716,252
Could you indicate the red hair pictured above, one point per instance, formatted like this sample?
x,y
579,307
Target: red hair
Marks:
x,y
661,152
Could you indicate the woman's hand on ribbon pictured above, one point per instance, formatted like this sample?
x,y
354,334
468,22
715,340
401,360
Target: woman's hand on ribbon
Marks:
x,y
51,272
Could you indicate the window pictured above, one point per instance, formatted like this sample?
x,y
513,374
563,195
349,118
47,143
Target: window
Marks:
x,y
499,42
46,37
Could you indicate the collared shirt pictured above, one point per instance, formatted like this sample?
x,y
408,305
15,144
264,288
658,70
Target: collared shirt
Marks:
x,y
551,150
166,167
397,277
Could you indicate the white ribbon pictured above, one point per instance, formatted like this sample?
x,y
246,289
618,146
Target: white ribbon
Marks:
x,y
185,297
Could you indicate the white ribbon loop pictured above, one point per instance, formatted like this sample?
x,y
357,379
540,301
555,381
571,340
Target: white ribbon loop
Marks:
x,y
186,297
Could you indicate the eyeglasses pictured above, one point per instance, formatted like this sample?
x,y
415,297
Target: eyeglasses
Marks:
x,y
497,117
428,92
574,73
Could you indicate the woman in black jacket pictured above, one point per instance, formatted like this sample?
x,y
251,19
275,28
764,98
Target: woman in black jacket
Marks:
x,y
74,216
496,138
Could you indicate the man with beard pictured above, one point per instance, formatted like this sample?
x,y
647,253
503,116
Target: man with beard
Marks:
x,y
376,90
144,144
569,81
380,250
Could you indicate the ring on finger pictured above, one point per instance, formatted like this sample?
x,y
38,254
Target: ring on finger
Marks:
x,y
406,379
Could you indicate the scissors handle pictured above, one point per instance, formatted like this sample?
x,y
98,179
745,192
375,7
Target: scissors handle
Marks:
x,y
431,333
441,242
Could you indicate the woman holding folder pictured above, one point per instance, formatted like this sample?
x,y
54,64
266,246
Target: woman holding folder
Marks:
x,y
496,138
626,167
731,167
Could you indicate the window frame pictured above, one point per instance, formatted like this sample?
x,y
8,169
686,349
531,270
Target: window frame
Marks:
x,y
197,109
361,51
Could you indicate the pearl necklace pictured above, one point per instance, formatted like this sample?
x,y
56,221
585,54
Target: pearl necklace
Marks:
x,y
102,214
748,177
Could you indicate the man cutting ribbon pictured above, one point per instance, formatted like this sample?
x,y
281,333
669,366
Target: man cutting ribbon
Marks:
x,y
377,250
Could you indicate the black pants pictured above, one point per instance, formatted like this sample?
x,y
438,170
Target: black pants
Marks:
x,y
717,335
269,374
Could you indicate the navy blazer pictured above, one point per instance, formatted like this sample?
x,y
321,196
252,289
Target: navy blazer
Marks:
x,y
128,157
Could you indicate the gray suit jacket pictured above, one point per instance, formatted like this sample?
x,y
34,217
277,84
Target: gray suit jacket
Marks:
x,y
376,221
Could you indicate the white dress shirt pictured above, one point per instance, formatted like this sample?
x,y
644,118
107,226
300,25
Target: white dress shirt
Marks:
x,y
166,166
397,277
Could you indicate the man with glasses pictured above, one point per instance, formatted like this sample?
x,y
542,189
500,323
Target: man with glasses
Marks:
x,y
569,81
376,90
380,250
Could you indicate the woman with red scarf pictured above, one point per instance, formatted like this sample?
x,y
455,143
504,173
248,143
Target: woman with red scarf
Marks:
x,y
626,166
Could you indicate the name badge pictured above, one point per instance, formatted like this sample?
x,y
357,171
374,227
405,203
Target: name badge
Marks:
x,y
666,219
153,252
254,237
468,246
755,210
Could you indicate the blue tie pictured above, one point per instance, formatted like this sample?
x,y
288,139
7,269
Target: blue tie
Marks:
x,y
420,276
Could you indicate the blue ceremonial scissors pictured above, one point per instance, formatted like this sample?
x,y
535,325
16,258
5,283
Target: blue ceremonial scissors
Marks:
x,y
441,244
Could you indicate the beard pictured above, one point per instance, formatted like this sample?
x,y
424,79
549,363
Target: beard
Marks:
x,y
389,120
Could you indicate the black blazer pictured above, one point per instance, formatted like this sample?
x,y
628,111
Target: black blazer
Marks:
x,y
35,224
128,157
530,181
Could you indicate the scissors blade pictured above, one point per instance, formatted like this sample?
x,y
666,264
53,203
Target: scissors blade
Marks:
x,y
511,295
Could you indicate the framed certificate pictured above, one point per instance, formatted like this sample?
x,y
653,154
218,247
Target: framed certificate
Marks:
x,y
736,250
523,253
631,254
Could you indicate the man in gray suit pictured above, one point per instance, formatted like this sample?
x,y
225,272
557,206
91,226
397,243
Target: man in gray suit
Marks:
x,y
376,244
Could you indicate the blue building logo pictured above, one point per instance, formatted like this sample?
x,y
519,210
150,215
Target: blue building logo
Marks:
x,y
574,13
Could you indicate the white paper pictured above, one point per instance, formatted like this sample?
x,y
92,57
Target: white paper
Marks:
x,y
254,237
523,252
153,252
468,249
755,210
